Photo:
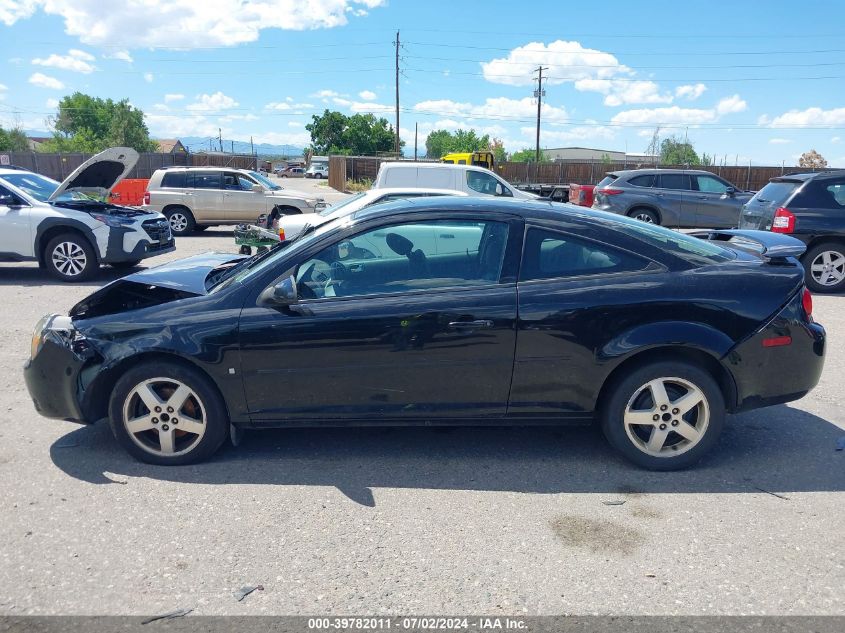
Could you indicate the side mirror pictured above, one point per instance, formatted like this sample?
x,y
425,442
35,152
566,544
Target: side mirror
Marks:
x,y
730,191
257,188
281,294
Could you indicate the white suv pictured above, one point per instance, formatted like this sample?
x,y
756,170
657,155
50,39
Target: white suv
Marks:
x,y
193,198
69,232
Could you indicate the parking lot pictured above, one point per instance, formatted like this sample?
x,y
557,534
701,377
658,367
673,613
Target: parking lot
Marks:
x,y
415,521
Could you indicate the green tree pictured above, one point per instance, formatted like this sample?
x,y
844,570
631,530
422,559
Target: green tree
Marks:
x,y
676,151
498,149
529,156
438,143
363,134
89,124
441,142
13,140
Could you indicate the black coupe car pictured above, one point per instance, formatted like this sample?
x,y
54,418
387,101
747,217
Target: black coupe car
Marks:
x,y
443,311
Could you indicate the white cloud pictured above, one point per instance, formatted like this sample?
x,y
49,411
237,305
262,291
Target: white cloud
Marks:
x,y
367,95
730,105
325,94
174,125
288,106
121,55
566,62
44,81
779,141
588,133
2,91
835,140
161,107
148,77
299,139
184,24
494,108
374,108
52,103
171,97
212,103
75,61
809,117
690,92
665,116
621,92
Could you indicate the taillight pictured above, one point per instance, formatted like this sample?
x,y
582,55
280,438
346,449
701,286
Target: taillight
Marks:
x,y
807,302
611,192
784,221
146,197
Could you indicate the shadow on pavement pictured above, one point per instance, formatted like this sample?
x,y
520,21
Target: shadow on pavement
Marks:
x,y
780,449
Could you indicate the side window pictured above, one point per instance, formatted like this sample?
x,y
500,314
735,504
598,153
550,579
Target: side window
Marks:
x,y
550,255
245,183
405,258
709,184
646,180
207,180
674,181
837,190
173,179
15,197
485,183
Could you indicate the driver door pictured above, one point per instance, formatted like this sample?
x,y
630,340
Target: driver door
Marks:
x,y
15,229
402,334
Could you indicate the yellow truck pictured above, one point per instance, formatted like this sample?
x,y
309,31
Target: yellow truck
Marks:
x,y
479,159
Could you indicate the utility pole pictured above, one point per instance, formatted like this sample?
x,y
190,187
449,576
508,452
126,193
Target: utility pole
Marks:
x,y
416,134
539,94
396,143
220,138
251,146
233,146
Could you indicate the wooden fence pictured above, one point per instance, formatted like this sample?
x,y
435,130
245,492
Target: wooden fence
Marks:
x,y
359,168
60,166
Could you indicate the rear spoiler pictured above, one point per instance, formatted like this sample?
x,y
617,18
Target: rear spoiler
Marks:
x,y
771,246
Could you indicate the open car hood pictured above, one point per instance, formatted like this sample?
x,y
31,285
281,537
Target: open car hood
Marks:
x,y
99,174
175,280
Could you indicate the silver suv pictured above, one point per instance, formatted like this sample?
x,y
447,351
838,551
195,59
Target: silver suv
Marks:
x,y
193,198
687,198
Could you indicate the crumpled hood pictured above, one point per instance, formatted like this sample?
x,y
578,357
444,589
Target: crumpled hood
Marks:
x,y
169,282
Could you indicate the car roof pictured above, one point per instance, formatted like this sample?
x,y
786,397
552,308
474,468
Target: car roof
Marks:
x,y
409,164
659,170
400,190
816,175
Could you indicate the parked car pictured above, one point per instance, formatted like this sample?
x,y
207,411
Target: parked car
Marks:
x,y
582,195
293,224
292,172
473,181
194,198
671,197
67,230
563,318
318,171
810,207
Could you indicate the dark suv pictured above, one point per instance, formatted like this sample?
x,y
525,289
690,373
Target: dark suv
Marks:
x,y
672,197
810,207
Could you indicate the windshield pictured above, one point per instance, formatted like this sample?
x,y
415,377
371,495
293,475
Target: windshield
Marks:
x,y
40,187
337,207
679,244
266,182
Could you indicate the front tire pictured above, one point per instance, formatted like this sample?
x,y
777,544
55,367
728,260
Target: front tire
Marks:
x,y
664,415
824,265
644,215
168,414
70,257
181,221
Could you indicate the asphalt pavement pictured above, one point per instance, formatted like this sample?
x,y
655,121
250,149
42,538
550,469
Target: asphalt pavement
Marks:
x,y
415,521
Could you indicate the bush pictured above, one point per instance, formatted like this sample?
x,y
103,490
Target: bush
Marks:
x,y
362,185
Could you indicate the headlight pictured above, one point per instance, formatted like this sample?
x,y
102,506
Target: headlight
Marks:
x,y
38,336
112,220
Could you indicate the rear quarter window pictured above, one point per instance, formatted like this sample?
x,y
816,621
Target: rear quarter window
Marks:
x,y
646,180
604,182
821,195
173,179
776,192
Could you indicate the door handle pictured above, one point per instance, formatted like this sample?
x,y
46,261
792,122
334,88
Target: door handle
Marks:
x,y
470,325
447,236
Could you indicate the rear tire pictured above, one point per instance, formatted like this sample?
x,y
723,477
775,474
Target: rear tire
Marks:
x,y
70,257
181,221
168,414
687,403
644,215
824,265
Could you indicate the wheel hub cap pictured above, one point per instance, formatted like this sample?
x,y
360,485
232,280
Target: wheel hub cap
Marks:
x,y
828,268
169,434
666,417
69,258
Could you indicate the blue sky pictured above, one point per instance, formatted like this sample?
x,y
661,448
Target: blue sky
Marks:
x,y
755,81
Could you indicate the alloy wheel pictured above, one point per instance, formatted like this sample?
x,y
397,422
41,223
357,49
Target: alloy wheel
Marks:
x,y
164,417
644,217
178,222
828,268
69,258
667,417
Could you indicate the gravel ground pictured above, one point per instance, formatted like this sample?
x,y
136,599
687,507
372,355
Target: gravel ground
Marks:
x,y
415,521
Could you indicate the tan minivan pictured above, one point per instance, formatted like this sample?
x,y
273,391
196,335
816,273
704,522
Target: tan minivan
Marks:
x,y
193,198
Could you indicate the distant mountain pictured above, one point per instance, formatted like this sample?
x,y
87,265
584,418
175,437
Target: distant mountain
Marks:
x,y
200,143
